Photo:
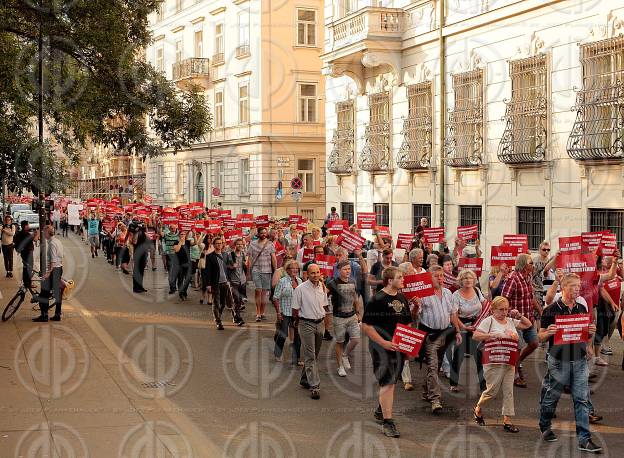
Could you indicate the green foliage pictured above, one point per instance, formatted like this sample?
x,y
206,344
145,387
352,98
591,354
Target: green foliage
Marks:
x,y
97,88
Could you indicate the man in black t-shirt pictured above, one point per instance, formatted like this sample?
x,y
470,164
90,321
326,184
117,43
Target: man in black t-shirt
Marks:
x,y
346,309
25,246
375,277
388,308
567,365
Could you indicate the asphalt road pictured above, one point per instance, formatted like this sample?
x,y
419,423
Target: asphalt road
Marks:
x,y
227,386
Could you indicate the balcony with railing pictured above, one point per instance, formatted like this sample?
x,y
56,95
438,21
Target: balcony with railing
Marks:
x,y
242,51
376,156
367,23
218,59
340,160
524,137
194,70
416,149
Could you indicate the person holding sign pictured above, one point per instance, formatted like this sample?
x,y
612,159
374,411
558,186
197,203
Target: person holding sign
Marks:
x,y
497,376
381,316
566,327
438,318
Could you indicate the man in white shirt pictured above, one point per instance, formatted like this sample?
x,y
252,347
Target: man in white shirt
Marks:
x,y
52,278
309,305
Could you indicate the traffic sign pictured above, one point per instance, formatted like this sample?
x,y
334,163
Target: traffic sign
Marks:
x,y
296,183
216,192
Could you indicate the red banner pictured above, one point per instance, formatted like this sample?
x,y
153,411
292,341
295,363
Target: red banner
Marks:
x,y
517,240
614,288
408,339
229,223
582,264
590,241
170,219
500,351
199,226
474,264
504,254
383,231
433,234
213,213
186,224
262,221
468,232
418,285
212,226
404,241
294,219
572,328
308,255
326,264
108,225
570,245
230,236
350,241
608,245
244,220
335,227
302,225
366,220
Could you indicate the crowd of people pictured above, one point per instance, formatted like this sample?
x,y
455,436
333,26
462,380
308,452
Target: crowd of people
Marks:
x,y
361,293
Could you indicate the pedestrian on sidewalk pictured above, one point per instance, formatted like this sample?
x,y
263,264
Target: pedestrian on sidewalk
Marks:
x,y
309,306
387,309
25,246
8,232
567,366
262,262
52,279
219,285
282,300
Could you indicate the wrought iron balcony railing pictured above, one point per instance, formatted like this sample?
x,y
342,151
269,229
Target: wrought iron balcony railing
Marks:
x,y
218,58
524,138
415,151
464,144
376,155
190,68
340,160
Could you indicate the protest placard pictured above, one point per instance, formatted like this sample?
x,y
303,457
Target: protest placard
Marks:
x,y
326,264
366,220
468,232
572,329
504,254
418,285
517,240
433,234
582,264
408,339
404,241
474,264
350,241
570,245
500,351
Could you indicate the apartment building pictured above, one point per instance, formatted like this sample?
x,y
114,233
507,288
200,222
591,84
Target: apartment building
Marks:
x,y
502,113
258,62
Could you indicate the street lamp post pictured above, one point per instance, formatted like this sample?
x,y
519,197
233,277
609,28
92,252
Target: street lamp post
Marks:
x,y
41,197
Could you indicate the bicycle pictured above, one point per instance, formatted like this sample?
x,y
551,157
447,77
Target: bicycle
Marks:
x,y
15,303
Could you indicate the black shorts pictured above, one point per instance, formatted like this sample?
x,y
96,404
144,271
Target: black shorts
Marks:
x,y
387,365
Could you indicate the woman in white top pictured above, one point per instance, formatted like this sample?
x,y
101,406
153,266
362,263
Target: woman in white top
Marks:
x,y
496,326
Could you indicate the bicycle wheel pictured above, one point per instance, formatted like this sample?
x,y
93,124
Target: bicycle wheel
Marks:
x,y
13,305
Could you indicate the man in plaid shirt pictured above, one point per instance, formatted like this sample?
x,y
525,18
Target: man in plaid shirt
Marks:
x,y
519,292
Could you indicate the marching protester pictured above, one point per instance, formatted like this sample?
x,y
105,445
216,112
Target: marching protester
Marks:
x,y
497,279
237,272
375,279
93,234
219,285
262,262
282,300
141,247
387,309
309,305
171,237
52,279
8,232
503,323
183,265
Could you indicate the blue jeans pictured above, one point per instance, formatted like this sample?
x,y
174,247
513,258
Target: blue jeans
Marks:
x,y
561,373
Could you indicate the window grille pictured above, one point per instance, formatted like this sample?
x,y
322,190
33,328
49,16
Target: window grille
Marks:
x,y
415,152
469,215
599,126
340,160
377,151
531,222
464,145
602,219
382,211
524,139
347,212
420,211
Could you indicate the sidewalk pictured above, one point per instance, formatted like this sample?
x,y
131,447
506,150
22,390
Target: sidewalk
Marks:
x,y
64,393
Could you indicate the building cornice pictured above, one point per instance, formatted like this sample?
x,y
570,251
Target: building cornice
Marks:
x,y
218,11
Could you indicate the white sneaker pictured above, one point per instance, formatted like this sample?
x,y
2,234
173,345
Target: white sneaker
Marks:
x,y
342,372
345,362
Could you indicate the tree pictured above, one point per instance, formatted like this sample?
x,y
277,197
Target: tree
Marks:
x,y
98,88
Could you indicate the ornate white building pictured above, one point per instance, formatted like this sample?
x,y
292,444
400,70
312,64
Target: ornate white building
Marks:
x,y
524,132
259,64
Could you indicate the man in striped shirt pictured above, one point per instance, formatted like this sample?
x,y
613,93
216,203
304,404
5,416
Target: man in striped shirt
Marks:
x,y
51,283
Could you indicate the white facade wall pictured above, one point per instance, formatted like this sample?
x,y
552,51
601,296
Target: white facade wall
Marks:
x,y
485,37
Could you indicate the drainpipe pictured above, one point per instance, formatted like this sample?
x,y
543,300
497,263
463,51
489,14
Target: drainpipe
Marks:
x,y
442,57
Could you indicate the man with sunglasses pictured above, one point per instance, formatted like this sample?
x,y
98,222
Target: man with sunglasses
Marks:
x,y
543,276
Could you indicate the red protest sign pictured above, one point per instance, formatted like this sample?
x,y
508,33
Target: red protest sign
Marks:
x,y
302,225
186,224
433,234
262,221
350,240
213,213
212,226
468,232
244,220
229,223
108,225
570,245
383,231
590,241
408,339
418,285
335,227
199,226
294,219
608,245
230,236
582,264
308,255
504,254
279,249
326,264
366,220
572,328
474,264
500,351
404,241
517,240
170,219
614,288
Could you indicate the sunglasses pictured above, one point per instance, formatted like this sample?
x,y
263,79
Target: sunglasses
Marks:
x,y
545,249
